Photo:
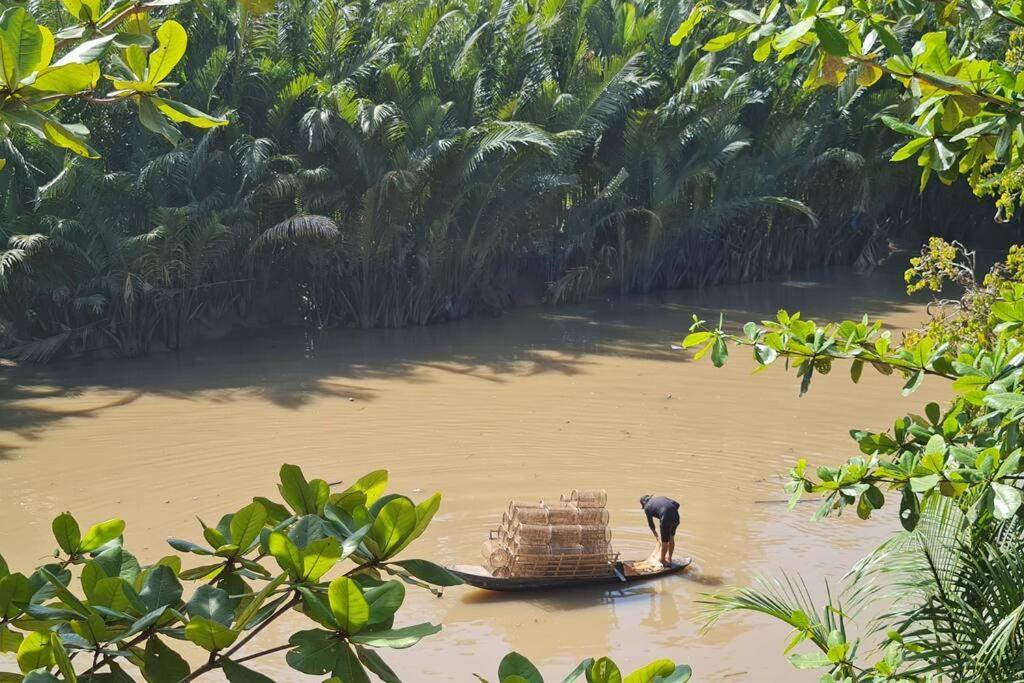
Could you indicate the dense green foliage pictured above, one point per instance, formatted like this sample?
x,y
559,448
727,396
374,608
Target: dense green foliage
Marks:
x,y
115,620
409,162
949,587
962,98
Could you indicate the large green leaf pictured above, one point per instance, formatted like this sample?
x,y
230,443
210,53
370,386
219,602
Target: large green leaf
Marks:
x,y
35,652
394,522
247,522
86,52
161,664
316,651
21,45
296,491
318,558
179,112
604,670
14,588
655,671
67,533
397,638
348,605
384,600
102,533
428,571
514,664
1007,500
348,668
211,603
287,554
425,512
161,589
172,41
208,634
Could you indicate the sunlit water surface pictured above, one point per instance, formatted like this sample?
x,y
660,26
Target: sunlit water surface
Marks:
x,y
528,405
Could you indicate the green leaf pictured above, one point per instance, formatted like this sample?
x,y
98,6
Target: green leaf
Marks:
x,y
425,512
179,112
14,588
21,45
9,640
394,522
161,664
348,605
814,660
67,533
655,671
373,661
296,491
161,588
209,635
384,600
831,39
348,668
101,534
746,16
236,673
687,26
905,128
35,652
211,603
514,664
86,52
429,572
910,149
67,79
172,40
1006,501
287,554
604,670
316,651
579,670
254,605
910,509
924,484
60,656
794,33
397,638
719,43
318,558
247,522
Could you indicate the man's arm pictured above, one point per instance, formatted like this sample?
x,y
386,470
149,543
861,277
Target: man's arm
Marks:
x,y
650,522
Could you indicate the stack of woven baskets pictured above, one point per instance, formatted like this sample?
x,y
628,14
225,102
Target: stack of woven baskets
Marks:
x,y
567,538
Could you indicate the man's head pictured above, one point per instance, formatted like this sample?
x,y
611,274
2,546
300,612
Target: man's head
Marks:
x,y
643,500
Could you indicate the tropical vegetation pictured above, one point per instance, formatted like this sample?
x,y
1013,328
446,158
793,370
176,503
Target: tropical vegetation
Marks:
x,y
325,562
411,162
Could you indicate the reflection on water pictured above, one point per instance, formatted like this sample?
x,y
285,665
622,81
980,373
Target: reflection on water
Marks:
x,y
531,404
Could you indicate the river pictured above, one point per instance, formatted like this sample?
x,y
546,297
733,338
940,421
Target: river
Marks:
x,y
528,405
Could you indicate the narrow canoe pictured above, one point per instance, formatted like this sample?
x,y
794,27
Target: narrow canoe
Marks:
x,y
476,575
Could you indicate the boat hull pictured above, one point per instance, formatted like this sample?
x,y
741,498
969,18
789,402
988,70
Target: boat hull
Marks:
x,y
478,576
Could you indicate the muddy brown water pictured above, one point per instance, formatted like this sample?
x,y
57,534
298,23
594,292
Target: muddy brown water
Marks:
x,y
528,405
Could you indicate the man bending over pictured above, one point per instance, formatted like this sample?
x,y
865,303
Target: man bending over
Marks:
x,y
667,512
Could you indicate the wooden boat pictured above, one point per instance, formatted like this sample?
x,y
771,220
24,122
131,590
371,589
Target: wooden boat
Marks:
x,y
624,572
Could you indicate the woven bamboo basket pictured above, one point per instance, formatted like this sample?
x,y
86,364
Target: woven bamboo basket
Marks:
x,y
597,498
564,514
531,516
593,517
496,554
594,534
533,534
523,504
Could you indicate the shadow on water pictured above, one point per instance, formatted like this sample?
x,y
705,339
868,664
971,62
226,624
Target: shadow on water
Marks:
x,y
286,370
